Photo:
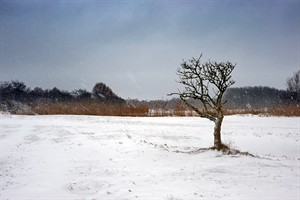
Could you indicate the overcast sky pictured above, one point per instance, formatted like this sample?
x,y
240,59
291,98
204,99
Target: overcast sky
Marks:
x,y
135,47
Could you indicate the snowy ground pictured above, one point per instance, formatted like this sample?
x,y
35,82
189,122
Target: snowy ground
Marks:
x,y
89,157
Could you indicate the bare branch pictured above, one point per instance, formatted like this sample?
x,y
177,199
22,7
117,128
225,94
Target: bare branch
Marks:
x,y
199,79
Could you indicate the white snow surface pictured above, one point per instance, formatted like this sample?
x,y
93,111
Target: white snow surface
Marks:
x,y
118,158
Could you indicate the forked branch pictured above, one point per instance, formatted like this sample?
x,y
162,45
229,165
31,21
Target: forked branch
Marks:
x,y
206,82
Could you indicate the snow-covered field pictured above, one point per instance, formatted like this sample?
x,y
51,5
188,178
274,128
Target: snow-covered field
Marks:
x,y
90,157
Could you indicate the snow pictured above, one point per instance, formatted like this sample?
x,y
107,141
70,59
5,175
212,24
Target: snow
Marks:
x,y
118,158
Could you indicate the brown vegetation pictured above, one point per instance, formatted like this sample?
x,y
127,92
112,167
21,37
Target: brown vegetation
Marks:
x,y
279,110
87,108
143,110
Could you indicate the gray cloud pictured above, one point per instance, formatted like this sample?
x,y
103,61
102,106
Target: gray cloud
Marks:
x,y
136,47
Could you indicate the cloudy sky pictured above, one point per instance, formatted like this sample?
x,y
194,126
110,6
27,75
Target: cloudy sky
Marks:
x,y
135,47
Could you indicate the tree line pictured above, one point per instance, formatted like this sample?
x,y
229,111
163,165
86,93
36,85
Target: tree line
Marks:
x,y
259,97
16,97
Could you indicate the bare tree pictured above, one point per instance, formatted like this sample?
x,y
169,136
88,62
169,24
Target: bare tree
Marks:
x,y
206,82
293,83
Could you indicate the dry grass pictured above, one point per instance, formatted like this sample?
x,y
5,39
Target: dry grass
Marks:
x,y
288,110
88,108
280,110
114,109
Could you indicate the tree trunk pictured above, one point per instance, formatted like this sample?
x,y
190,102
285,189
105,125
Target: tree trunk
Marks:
x,y
217,133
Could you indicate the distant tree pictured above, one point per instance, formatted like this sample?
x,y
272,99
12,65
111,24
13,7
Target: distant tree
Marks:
x,y
14,90
5,91
14,96
37,93
254,97
58,95
102,92
55,94
82,94
293,85
206,82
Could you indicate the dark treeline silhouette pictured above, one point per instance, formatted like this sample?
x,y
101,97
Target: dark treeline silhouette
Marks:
x,y
255,100
18,91
258,97
17,98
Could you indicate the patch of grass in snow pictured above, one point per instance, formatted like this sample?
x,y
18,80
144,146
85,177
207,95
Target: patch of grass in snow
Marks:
x,y
226,149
